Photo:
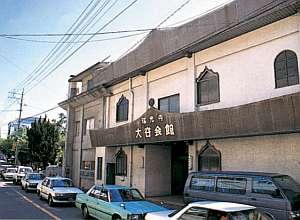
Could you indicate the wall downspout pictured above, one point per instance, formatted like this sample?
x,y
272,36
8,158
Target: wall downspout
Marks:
x,y
81,143
131,120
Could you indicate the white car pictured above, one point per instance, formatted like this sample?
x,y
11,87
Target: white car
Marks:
x,y
210,210
21,171
31,180
9,173
58,190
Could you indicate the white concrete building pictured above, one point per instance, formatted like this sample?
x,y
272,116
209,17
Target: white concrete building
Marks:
x,y
231,81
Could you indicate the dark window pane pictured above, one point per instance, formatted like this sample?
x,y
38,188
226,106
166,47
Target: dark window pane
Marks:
x,y
213,90
169,104
90,84
122,109
286,69
203,183
121,164
99,168
263,185
204,92
231,185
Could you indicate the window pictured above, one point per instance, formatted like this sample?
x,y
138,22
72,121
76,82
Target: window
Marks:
x,y
77,128
234,185
209,159
89,124
263,185
203,183
99,168
121,163
90,84
122,109
208,91
286,69
194,213
88,165
169,104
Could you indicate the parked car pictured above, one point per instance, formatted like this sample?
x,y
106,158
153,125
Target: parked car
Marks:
x,y
9,173
21,171
210,210
58,190
31,180
115,202
3,168
275,194
53,170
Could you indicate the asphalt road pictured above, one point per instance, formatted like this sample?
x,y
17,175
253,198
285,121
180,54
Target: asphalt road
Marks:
x,y
17,204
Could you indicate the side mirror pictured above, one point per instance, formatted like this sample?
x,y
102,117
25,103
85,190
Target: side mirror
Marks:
x,y
123,205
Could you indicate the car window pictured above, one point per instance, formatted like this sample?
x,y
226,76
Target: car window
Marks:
x,y
130,195
115,196
194,213
265,185
206,183
236,185
48,183
103,195
62,183
34,176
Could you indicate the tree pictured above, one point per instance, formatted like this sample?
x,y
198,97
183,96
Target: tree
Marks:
x,y
43,137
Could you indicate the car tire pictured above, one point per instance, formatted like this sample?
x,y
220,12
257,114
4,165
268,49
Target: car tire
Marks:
x,y
50,201
22,186
116,217
40,195
26,189
14,182
85,212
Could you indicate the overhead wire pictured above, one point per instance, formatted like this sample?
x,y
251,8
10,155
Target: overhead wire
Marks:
x,y
70,55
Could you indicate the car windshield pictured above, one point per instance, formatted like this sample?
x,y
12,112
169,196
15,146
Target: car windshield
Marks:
x,y
62,183
290,188
35,176
25,170
125,195
11,171
247,215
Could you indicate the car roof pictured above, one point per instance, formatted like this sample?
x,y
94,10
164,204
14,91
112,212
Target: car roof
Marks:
x,y
222,206
237,173
57,178
113,186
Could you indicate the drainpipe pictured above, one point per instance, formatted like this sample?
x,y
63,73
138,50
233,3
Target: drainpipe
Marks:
x,y
131,120
81,143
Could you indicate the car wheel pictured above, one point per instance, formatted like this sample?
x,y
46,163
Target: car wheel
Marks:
x,y
116,217
14,182
26,189
22,186
85,212
40,195
50,201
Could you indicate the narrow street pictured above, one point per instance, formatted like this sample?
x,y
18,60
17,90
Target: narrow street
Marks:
x,y
17,204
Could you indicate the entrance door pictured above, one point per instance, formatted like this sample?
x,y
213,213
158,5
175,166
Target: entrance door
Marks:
x,y
110,173
179,168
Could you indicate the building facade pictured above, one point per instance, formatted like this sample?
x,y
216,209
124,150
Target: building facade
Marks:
x,y
220,92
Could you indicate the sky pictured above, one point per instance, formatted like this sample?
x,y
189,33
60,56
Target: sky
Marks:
x,y
20,57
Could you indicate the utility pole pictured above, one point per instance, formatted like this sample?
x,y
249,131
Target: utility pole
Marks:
x,y
20,110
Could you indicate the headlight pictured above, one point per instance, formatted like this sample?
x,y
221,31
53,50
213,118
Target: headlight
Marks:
x,y
134,217
59,194
294,215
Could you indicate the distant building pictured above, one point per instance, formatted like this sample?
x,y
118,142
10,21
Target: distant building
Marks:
x,y
24,123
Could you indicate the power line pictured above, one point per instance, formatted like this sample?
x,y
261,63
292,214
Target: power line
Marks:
x,y
70,55
76,34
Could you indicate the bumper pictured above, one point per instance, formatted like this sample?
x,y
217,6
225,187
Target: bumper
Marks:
x,y
8,177
64,199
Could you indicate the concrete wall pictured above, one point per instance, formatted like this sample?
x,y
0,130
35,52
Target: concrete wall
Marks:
x,y
246,64
273,153
157,170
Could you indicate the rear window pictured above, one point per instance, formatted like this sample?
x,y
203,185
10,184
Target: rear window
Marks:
x,y
203,183
236,185
263,185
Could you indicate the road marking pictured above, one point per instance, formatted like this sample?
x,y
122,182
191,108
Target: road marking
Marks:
x,y
38,206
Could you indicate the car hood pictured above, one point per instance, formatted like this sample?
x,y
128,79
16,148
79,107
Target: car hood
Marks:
x,y
67,190
141,207
34,181
159,215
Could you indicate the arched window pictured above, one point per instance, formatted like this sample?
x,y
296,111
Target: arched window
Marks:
x,y
208,90
209,159
122,109
286,69
121,163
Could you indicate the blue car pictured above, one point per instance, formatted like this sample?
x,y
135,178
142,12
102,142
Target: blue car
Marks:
x,y
113,202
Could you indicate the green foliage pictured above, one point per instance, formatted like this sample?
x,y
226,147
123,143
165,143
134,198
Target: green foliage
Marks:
x,y
7,147
43,138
